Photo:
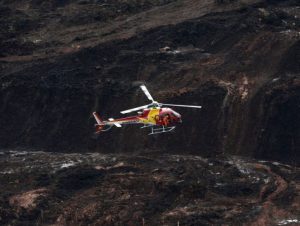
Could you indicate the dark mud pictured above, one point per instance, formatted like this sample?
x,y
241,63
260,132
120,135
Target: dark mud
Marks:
x,y
62,60
94,189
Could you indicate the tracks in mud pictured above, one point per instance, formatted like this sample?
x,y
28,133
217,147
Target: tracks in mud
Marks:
x,y
269,209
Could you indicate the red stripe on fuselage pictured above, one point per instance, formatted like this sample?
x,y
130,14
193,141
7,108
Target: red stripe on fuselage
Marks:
x,y
126,119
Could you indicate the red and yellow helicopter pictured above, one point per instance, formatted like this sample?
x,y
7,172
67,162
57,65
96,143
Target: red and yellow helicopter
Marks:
x,y
160,119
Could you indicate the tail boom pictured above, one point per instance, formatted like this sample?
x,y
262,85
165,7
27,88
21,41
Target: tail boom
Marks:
x,y
102,125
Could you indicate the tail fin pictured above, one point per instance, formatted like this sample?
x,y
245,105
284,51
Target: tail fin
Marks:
x,y
100,126
97,117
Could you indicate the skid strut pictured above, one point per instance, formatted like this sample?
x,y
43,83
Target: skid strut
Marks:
x,y
163,129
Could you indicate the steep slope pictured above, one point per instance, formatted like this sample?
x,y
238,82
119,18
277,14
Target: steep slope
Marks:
x,y
239,60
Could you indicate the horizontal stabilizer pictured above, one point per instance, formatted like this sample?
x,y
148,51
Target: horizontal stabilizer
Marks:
x,y
116,124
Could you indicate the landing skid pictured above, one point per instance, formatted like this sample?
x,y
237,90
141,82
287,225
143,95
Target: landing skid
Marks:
x,y
163,129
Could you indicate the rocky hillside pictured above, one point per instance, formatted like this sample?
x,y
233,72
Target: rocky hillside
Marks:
x,y
62,60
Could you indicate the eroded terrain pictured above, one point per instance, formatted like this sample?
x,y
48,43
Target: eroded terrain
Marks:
x,y
152,189
62,60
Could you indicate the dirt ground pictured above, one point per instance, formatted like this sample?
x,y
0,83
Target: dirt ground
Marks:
x,y
62,60
39,188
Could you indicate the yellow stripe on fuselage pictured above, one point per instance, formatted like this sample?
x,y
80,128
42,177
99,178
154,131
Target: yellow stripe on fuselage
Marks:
x,y
151,116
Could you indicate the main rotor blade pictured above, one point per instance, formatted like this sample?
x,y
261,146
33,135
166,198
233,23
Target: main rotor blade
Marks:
x,y
144,88
134,109
185,106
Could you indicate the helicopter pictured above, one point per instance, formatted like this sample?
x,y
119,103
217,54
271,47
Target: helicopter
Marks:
x,y
155,116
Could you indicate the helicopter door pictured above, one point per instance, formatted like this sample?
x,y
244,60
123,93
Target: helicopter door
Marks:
x,y
165,119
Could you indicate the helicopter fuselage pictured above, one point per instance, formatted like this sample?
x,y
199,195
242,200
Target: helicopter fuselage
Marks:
x,y
152,116
160,116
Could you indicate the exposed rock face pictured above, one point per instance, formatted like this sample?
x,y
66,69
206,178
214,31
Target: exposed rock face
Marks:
x,y
163,189
61,60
